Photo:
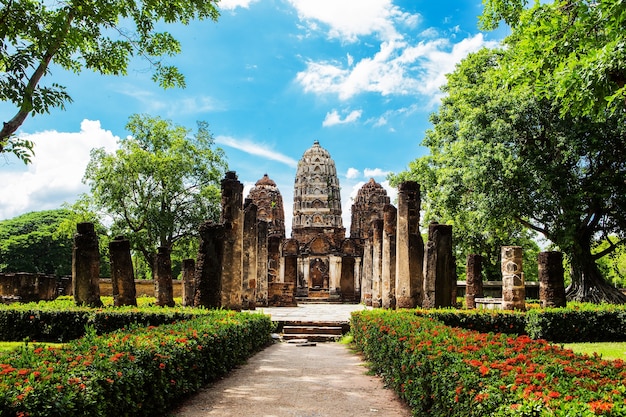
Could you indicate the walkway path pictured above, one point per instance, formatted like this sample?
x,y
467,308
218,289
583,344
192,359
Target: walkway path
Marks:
x,y
287,380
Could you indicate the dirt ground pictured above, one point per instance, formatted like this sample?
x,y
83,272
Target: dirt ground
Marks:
x,y
286,380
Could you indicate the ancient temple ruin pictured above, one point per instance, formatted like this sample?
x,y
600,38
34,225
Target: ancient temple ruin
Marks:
x,y
318,258
247,260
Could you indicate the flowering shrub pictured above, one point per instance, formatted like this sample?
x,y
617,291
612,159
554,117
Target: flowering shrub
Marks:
x,y
445,371
135,373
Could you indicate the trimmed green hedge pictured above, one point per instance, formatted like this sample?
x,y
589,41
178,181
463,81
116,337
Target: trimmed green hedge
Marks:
x,y
512,322
445,371
136,373
61,320
576,323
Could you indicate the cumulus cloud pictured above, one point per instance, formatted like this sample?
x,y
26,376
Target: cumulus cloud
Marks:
x,y
375,173
333,118
55,175
233,4
348,19
255,149
398,68
353,173
404,63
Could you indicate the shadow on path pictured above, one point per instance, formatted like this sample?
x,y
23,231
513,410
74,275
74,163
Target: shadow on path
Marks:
x,y
326,380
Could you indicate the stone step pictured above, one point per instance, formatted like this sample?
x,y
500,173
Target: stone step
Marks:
x,y
322,338
314,323
314,331
335,330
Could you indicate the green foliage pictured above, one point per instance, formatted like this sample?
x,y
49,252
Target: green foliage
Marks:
x,y
140,372
61,320
29,243
444,371
578,323
159,186
484,321
571,53
101,36
42,241
613,266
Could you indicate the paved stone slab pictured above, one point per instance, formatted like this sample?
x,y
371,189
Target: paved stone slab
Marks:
x,y
326,380
311,312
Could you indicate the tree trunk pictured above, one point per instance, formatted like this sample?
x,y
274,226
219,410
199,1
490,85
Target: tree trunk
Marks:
x,y
588,284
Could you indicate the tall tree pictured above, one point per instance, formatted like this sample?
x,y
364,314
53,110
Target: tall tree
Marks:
x,y
100,35
160,185
514,155
30,243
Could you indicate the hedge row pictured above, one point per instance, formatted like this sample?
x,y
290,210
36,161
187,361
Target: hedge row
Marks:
x,y
61,320
444,371
63,326
575,323
136,373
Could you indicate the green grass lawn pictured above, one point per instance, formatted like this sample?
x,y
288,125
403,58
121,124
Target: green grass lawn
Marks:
x,y
608,350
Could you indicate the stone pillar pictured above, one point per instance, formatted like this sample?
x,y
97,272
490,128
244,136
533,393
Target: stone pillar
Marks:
x,y
389,257
334,277
250,252
551,281
163,288
232,262
377,259
439,268
409,247
263,261
366,277
122,273
473,280
513,289
86,266
189,287
208,275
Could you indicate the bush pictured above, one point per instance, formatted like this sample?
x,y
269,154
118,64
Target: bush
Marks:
x,y
578,323
135,373
512,322
444,371
62,321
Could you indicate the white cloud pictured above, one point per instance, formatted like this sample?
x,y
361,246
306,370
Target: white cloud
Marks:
x,y
55,175
255,149
233,4
349,19
353,173
398,68
333,118
374,173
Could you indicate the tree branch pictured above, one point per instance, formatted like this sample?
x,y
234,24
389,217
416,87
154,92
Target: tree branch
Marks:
x,y
10,127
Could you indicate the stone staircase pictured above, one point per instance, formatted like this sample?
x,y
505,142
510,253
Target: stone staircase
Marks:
x,y
313,331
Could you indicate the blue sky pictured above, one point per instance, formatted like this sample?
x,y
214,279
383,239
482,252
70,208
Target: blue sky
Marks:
x,y
270,77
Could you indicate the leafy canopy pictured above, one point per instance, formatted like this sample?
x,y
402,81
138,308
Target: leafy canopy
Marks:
x,y
160,185
100,35
572,53
30,243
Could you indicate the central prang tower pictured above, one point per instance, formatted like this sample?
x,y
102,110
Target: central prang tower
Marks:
x,y
316,198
